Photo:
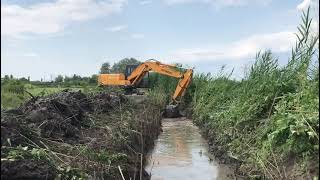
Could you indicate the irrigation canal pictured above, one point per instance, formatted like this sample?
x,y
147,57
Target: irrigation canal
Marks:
x,y
181,153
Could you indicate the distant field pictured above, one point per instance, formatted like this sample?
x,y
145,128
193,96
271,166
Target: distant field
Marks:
x,y
49,90
13,100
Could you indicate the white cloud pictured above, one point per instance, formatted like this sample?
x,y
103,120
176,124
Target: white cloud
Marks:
x,y
137,36
31,54
219,3
244,48
304,5
145,2
314,12
117,28
53,17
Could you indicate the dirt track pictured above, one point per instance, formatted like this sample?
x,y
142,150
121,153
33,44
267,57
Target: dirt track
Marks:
x,y
70,134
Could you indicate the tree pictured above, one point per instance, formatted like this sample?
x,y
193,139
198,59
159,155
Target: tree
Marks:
x,y
76,77
59,79
6,77
93,79
178,65
120,66
105,68
23,79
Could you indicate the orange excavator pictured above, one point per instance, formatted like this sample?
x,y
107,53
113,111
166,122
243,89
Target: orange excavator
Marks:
x,y
134,75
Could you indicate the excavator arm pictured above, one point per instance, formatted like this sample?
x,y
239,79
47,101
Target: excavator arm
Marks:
x,y
182,85
164,69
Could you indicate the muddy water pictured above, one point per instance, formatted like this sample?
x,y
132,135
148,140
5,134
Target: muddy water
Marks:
x,y
181,153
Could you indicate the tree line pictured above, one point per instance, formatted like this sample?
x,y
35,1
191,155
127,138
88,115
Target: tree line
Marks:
x,y
75,80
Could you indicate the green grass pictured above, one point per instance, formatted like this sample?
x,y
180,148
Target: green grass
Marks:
x,y
49,90
12,99
9,100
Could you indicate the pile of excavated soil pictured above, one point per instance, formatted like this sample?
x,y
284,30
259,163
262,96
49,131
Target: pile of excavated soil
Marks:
x,y
72,130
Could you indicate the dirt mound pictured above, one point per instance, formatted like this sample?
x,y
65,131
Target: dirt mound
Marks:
x,y
104,102
87,132
26,169
59,115
10,130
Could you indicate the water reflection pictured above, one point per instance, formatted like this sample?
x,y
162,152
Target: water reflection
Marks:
x,y
181,153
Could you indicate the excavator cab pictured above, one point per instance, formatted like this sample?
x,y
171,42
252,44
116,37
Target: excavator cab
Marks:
x,y
144,83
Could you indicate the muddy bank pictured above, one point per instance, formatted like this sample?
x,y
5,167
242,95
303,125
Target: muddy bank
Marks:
x,y
243,170
75,135
220,154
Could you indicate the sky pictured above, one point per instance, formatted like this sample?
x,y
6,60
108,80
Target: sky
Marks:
x,y
42,39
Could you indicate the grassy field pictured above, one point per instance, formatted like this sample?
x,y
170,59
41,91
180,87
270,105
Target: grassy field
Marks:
x,y
12,97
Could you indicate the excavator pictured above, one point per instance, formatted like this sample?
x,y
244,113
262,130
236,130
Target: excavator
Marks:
x,y
133,76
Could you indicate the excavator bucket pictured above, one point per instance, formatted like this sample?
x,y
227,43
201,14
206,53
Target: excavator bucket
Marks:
x,y
172,111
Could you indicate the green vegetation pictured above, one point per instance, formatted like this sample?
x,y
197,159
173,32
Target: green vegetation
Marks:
x,y
16,92
12,93
269,121
162,86
118,67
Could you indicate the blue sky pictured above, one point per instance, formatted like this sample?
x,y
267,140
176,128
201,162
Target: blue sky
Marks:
x,y
42,39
